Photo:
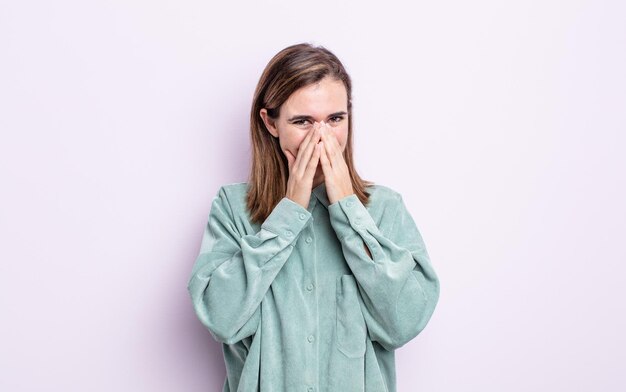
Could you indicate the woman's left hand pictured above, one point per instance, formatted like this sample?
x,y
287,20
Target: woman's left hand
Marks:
x,y
336,174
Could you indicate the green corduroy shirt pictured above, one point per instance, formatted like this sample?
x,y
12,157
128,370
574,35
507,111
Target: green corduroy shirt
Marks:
x,y
297,302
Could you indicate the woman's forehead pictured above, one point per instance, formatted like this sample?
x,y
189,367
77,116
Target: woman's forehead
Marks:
x,y
322,98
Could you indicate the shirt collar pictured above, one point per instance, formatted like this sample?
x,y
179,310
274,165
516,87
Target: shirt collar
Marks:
x,y
319,192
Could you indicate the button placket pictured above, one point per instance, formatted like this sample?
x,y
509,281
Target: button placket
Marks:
x,y
309,282
309,286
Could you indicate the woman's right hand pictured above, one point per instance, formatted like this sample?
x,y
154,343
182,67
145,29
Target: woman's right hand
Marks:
x,y
302,168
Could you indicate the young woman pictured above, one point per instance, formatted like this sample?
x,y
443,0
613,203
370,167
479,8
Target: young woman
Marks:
x,y
309,276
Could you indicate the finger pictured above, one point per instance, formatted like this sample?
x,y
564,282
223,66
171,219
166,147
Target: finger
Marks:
x,y
326,168
334,142
335,146
308,151
290,159
305,142
327,137
315,158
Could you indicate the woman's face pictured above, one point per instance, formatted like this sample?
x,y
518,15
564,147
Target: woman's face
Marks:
x,y
325,101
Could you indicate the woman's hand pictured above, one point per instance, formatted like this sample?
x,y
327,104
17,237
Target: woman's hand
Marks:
x,y
302,168
336,174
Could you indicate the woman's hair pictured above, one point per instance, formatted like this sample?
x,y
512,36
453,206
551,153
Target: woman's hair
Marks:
x,y
290,69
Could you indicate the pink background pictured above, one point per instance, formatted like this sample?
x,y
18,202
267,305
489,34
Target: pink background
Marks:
x,y
501,123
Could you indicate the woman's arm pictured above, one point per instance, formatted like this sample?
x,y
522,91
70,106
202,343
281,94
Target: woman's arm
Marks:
x,y
232,272
398,285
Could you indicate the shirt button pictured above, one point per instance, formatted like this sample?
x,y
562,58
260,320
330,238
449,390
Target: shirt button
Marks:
x,y
310,338
349,203
302,216
357,222
288,233
308,240
309,389
309,286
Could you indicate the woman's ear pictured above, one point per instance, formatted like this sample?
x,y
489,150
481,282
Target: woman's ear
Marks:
x,y
269,123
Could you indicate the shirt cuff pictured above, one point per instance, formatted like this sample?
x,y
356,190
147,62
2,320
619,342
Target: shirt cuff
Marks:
x,y
349,215
287,219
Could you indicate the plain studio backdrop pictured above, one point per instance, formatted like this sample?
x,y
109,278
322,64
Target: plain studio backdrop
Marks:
x,y
501,123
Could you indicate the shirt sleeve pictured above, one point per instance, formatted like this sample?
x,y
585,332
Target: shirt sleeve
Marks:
x,y
233,272
398,286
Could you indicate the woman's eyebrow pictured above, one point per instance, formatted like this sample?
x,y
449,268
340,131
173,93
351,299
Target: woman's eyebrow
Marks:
x,y
307,117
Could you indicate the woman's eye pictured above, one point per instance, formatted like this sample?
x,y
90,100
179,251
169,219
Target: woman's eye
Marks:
x,y
334,119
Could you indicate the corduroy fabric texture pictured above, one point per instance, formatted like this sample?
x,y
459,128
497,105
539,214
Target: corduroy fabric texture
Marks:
x,y
297,302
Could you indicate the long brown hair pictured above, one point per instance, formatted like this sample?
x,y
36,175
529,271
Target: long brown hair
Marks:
x,y
290,69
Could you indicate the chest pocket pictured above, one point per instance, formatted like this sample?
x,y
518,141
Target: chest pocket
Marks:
x,y
351,329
